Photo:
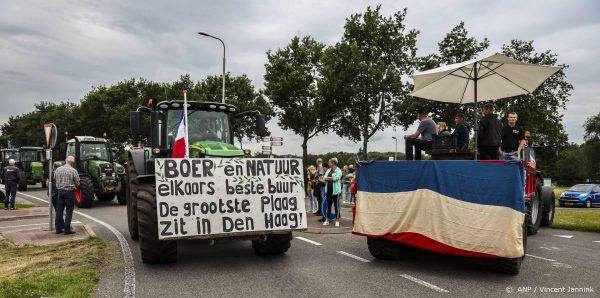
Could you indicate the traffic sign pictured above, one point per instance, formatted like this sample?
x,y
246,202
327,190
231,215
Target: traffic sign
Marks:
x,y
276,143
277,139
51,134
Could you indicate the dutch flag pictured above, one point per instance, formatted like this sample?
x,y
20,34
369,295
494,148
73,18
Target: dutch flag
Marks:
x,y
180,146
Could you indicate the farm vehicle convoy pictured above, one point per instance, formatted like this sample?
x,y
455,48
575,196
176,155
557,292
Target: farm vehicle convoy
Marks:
x,y
477,209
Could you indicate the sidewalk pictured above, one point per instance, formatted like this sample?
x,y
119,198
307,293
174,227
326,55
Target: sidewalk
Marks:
x,y
317,227
24,226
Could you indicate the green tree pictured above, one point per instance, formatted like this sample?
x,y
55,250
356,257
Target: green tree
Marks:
x,y
457,46
241,93
362,74
571,166
591,147
27,129
291,84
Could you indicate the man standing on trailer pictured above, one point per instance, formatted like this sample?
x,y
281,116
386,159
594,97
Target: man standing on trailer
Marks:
x,y
489,137
513,139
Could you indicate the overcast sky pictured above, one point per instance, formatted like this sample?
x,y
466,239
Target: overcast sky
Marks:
x,y
57,50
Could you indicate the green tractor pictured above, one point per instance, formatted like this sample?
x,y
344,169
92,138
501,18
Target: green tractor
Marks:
x,y
31,161
100,177
210,135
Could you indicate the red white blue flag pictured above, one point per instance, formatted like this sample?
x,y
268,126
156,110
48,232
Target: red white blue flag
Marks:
x,y
464,208
180,146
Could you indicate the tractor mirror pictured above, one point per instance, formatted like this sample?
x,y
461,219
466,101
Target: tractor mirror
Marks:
x,y
135,120
261,129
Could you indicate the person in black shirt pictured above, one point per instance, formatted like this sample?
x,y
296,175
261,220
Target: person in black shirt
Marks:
x,y
489,136
461,132
513,139
10,177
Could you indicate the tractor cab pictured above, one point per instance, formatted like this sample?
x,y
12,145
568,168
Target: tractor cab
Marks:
x,y
100,176
210,127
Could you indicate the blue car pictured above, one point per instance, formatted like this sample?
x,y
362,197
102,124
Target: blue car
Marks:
x,y
581,195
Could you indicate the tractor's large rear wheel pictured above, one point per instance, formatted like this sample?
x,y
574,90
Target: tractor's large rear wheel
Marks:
x,y
84,194
383,249
131,187
534,212
153,250
274,244
549,200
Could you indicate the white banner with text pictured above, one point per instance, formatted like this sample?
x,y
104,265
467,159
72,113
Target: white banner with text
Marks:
x,y
215,196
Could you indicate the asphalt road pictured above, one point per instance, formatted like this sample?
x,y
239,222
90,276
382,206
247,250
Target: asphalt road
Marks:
x,y
340,265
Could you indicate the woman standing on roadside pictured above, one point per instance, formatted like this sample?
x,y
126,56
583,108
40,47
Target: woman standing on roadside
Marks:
x,y
310,174
332,190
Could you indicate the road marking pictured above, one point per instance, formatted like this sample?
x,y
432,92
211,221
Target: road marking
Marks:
x,y
541,258
596,241
424,283
37,224
308,240
561,265
129,288
353,256
564,236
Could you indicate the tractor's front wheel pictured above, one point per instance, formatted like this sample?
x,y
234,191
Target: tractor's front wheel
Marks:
x,y
273,244
383,249
84,194
131,187
508,265
122,194
106,197
152,249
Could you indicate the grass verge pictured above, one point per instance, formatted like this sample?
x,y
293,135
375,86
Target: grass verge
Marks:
x,y
21,206
578,220
69,269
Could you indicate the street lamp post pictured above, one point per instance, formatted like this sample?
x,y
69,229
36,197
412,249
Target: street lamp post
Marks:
x,y
208,35
396,153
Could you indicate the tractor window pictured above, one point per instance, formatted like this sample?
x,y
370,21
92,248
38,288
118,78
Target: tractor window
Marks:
x,y
71,150
93,151
29,156
203,126
11,155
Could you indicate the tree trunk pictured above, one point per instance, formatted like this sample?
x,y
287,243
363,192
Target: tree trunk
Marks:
x,y
305,152
365,142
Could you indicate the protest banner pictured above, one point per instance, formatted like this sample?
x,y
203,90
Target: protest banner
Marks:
x,y
214,197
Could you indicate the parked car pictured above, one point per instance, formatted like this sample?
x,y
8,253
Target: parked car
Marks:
x,y
581,195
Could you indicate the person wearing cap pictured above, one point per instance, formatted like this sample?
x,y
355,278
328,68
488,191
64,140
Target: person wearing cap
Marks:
x,y
421,139
10,177
67,179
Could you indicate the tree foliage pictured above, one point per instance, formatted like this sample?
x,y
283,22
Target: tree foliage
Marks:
x,y
105,109
291,76
362,74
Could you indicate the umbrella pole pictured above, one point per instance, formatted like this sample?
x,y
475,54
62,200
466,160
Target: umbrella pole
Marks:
x,y
475,125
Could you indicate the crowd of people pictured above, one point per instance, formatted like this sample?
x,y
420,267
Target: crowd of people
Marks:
x,y
494,140
326,185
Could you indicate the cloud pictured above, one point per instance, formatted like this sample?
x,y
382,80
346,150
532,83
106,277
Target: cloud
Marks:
x,y
57,50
